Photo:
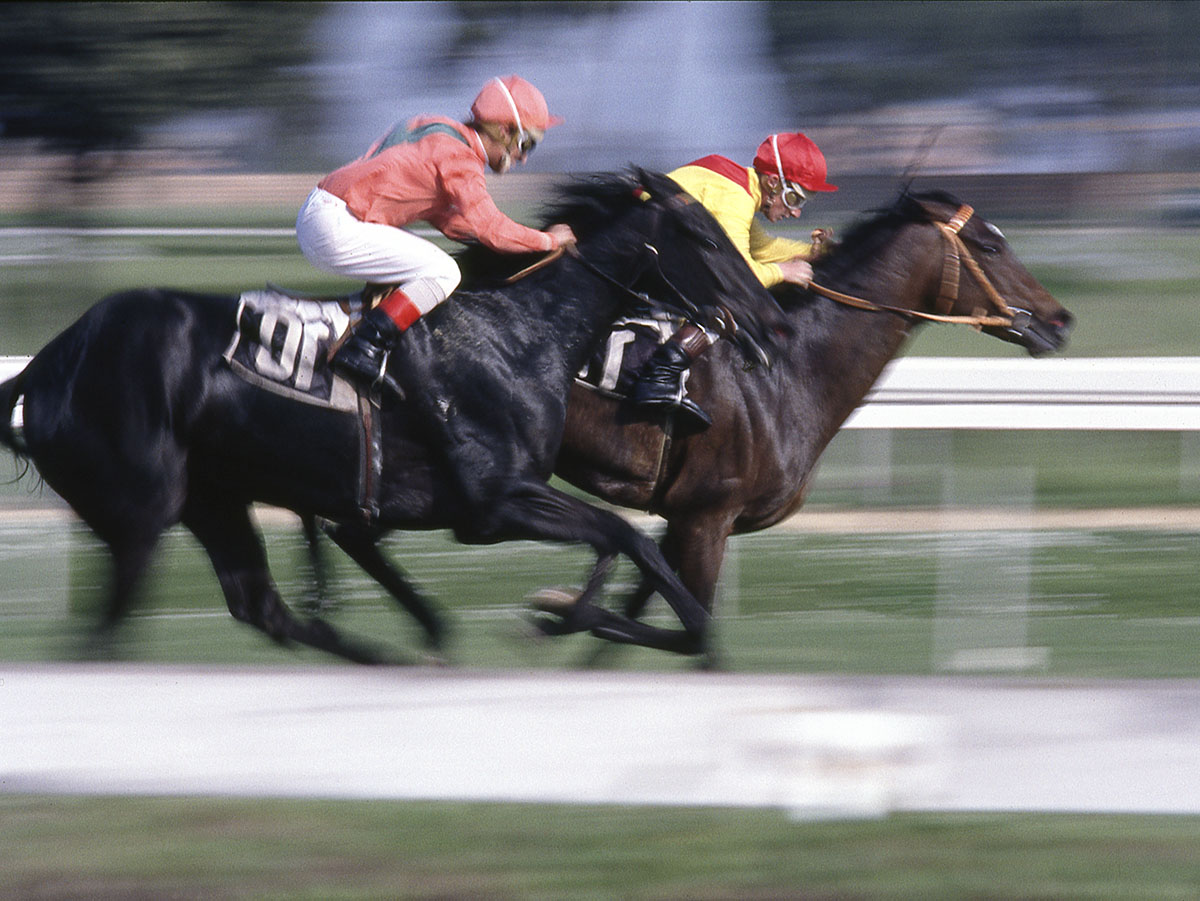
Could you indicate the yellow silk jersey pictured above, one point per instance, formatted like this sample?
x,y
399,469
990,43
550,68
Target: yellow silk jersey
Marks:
x,y
731,193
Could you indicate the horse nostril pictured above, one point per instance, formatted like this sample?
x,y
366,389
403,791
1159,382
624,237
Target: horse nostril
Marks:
x,y
1062,322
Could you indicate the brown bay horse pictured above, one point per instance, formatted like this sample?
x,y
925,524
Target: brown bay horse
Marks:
x,y
927,257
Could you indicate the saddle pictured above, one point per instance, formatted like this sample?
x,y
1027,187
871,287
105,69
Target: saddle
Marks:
x,y
283,343
614,367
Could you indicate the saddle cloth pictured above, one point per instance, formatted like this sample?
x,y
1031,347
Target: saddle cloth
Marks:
x,y
283,343
614,368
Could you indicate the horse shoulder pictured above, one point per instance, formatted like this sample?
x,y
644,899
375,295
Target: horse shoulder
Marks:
x,y
755,458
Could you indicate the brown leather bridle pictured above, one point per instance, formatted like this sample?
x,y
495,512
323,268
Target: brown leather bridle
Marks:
x,y
958,256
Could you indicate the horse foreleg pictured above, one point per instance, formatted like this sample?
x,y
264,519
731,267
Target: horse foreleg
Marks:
x,y
635,604
317,598
695,549
237,554
362,546
534,510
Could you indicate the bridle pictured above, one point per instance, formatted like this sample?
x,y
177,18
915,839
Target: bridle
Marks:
x,y
958,256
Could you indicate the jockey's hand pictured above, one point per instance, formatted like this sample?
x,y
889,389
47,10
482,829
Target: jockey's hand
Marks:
x,y
561,233
821,238
797,271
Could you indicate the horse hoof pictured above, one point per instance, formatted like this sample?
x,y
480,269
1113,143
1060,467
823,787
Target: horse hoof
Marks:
x,y
556,601
543,626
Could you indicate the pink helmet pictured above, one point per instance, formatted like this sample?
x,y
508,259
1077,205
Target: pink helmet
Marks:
x,y
512,100
794,157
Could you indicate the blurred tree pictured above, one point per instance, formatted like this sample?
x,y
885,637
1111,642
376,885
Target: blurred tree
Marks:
x,y
84,78
1110,54
480,23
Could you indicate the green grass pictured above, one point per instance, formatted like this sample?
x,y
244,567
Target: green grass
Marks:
x,y
1070,469
1102,604
218,848
1113,604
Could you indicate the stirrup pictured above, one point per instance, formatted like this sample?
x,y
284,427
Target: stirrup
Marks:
x,y
685,406
384,378
675,403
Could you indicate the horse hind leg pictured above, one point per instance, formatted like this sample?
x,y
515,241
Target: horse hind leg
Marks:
x,y
237,554
129,557
317,599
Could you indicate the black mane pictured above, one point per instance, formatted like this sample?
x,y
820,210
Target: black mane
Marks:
x,y
866,236
587,203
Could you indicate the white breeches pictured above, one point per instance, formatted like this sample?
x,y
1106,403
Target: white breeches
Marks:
x,y
335,241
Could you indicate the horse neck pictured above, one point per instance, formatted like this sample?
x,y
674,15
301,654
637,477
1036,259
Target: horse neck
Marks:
x,y
855,345
602,289
579,305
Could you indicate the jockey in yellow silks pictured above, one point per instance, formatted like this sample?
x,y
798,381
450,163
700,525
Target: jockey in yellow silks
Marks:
x,y
788,169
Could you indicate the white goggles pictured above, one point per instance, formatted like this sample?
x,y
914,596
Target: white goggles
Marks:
x,y
526,140
794,196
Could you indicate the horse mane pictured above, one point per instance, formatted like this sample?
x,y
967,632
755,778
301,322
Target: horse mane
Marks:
x,y
587,203
866,236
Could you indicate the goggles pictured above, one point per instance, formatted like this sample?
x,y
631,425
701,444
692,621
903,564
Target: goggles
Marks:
x,y
525,139
794,196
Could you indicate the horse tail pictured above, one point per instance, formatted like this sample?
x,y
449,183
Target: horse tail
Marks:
x,y
11,419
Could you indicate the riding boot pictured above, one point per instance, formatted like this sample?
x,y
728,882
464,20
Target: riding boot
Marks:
x,y
661,380
363,357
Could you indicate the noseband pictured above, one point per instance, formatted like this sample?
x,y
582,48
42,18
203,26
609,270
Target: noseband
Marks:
x,y
957,257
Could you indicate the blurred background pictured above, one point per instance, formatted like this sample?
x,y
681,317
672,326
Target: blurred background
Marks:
x,y
1097,94
173,143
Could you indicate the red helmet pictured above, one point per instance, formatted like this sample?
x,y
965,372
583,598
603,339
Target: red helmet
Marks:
x,y
512,100
795,158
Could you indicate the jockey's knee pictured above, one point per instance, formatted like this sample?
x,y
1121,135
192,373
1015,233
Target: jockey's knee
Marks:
x,y
446,274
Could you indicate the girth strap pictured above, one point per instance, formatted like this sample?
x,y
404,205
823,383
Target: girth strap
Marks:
x,y
371,456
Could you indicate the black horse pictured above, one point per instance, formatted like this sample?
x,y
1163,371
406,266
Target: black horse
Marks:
x,y
927,257
133,416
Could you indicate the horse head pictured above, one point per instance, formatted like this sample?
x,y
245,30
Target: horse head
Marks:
x,y
976,276
930,257
648,232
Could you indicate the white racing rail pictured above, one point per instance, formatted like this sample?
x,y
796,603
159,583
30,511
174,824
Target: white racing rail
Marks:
x,y
1100,393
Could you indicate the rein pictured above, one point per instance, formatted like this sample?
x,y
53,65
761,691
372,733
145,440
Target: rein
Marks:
x,y
544,261
958,255
724,320
652,261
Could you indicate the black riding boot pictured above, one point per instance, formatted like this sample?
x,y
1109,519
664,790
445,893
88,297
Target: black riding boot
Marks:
x,y
661,380
363,356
